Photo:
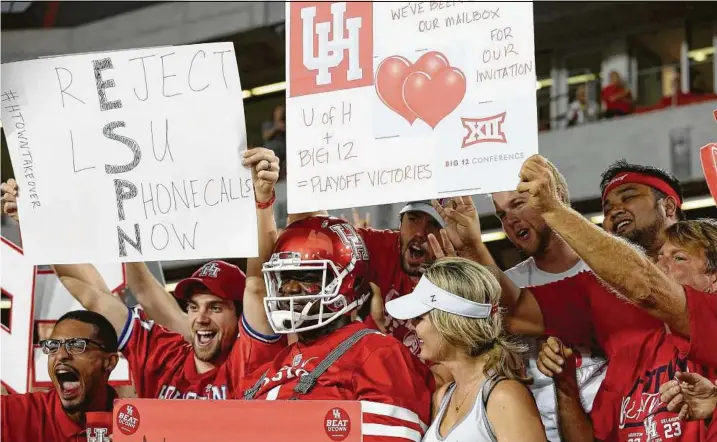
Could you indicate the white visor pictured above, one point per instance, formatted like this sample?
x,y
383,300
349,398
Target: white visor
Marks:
x,y
427,296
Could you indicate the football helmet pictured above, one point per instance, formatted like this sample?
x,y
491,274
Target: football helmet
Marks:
x,y
325,246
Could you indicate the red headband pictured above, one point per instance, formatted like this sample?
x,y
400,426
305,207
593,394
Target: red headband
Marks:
x,y
641,178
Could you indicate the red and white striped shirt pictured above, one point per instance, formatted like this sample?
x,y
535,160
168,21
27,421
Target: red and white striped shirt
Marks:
x,y
393,386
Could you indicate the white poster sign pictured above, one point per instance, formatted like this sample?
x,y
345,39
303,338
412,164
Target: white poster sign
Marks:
x,y
396,101
130,155
38,300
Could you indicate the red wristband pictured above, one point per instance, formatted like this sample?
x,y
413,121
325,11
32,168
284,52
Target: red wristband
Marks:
x,y
267,204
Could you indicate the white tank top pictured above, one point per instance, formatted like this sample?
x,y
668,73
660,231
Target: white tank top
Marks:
x,y
474,426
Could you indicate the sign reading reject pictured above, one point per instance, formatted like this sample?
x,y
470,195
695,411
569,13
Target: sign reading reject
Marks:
x,y
130,155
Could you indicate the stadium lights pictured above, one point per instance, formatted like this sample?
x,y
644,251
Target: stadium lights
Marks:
x,y
269,88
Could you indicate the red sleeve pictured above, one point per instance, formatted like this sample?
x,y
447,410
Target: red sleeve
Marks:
x,y
565,306
379,242
382,246
148,347
702,308
395,390
252,350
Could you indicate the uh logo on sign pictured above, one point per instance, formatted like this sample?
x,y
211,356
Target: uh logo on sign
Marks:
x,y
318,63
37,300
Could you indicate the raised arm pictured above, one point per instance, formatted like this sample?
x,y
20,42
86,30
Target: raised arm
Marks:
x,y
618,263
159,305
82,281
463,234
264,166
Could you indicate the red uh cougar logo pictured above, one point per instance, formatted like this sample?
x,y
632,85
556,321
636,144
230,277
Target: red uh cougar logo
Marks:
x,y
484,130
318,63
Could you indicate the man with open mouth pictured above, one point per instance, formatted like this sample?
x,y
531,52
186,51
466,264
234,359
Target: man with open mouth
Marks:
x,y
82,352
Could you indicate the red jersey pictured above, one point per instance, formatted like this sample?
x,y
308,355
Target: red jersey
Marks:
x,y
583,311
628,407
384,248
162,362
394,387
39,416
712,432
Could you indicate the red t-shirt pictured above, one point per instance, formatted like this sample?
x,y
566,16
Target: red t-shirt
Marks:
x,y
39,416
583,311
712,432
623,104
628,407
387,273
162,362
394,387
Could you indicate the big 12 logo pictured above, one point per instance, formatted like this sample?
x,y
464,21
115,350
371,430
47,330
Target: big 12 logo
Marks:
x,y
37,300
318,63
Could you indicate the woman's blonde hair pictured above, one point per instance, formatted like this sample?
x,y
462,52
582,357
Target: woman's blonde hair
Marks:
x,y
473,282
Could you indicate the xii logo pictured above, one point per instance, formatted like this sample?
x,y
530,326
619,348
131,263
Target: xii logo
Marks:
x,y
330,46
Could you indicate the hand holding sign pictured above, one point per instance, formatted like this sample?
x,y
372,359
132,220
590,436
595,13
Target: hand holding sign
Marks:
x,y
264,166
9,199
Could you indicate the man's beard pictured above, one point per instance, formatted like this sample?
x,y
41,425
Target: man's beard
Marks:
x,y
647,237
208,355
543,239
309,336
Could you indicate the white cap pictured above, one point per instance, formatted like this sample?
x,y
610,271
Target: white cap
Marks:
x,y
427,296
424,207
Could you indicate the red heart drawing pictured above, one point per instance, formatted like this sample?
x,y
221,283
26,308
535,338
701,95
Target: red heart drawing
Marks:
x,y
432,98
431,63
708,158
430,89
390,75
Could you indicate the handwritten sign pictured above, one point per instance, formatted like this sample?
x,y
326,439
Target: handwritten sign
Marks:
x,y
149,420
396,101
130,155
38,299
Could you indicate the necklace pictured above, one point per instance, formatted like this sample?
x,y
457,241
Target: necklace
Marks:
x,y
458,407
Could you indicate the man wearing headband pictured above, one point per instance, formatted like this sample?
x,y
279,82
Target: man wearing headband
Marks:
x,y
682,286
639,203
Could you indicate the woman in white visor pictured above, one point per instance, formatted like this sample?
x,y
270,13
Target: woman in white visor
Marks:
x,y
455,310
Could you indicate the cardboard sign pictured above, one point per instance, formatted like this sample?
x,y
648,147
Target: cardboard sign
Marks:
x,y
396,101
708,158
149,420
130,155
39,299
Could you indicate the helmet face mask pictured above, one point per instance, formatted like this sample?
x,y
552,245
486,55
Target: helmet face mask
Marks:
x,y
324,260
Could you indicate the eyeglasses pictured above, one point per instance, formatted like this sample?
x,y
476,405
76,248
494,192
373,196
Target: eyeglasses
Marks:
x,y
74,346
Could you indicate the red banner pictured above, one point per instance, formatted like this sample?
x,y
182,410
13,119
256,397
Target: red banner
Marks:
x,y
150,420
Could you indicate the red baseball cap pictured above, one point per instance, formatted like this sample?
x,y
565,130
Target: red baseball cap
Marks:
x,y
222,279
